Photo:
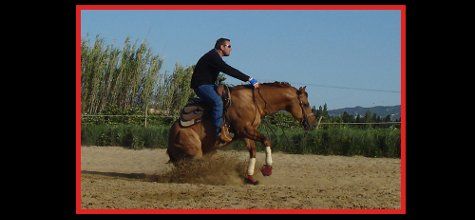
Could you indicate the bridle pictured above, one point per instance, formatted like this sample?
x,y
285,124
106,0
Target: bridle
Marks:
x,y
304,121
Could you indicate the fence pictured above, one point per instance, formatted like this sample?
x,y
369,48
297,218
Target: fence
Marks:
x,y
146,118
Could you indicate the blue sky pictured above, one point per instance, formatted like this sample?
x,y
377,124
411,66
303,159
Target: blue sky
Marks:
x,y
345,58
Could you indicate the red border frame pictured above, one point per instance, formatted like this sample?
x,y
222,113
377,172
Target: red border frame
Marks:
x,y
401,8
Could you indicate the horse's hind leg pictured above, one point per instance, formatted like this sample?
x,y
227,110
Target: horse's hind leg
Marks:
x,y
189,144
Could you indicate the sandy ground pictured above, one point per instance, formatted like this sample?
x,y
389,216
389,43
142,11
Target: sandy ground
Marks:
x,y
115,177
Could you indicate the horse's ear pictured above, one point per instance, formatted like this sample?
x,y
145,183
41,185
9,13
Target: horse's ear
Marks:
x,y
302,91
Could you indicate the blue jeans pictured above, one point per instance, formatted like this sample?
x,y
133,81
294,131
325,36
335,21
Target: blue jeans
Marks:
x,y
207,94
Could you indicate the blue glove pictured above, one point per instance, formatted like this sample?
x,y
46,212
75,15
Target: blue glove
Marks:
x,y
252,81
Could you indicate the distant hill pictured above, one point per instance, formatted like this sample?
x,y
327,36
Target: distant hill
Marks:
x,y
383,111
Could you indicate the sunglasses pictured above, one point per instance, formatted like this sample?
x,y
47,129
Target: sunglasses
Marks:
x,y
229,46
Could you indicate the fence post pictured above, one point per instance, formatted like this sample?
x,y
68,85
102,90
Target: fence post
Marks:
x,y
318,123
146,114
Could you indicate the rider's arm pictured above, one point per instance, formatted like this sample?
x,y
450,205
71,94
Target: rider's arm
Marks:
x,y
219,63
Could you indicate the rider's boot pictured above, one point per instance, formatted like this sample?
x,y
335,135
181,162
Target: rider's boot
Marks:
x,y
224,134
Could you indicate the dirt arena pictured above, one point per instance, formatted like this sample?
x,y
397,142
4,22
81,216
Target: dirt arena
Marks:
x,y
119,178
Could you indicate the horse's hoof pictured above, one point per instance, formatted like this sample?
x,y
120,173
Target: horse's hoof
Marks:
x,y
249,179
266,170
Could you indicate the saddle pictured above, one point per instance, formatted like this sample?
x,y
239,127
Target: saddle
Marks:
x,y
195,110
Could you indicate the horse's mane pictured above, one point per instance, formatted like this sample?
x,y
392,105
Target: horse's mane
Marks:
x,y
278,84
275,84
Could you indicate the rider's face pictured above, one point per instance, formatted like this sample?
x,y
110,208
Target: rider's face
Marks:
x,y
226,48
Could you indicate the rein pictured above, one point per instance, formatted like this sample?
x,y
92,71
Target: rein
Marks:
x,y
265,103
266,124
229,96
228,104
255,103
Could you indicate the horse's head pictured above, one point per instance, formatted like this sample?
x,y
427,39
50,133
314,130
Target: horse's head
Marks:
x,y
302,111
278,96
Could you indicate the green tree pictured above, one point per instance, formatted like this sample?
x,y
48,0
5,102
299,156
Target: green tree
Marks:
x,y
177,90
117,80
220,79
322,111
368,118
325,111
347,118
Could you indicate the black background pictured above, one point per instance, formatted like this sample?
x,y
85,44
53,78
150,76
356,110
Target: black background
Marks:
x,y
56,182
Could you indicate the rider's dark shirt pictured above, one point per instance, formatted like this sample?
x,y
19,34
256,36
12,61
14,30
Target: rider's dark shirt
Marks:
x,y
208,67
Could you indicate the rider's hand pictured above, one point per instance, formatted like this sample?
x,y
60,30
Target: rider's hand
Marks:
x,y
254,82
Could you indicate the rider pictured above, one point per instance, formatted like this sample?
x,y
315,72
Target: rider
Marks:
x,y
204,79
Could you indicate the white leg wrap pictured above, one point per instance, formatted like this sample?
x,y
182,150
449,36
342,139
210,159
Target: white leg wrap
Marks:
x,y
250,168
268,156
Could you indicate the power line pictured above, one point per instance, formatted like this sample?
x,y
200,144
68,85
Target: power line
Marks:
x,y
342,87
353,88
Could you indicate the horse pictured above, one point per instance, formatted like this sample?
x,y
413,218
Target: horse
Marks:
x,y
248,107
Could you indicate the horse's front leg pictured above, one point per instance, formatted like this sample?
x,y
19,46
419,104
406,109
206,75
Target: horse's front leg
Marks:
x,y
251,147
253,134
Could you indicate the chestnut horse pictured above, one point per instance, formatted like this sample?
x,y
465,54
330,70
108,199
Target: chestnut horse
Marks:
x,y
248,107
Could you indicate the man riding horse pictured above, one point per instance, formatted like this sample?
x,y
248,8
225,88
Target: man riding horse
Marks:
x,y
204,79
191,137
